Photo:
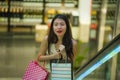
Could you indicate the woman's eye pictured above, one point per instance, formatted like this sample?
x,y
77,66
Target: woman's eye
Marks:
x,y
62,24
59,24
55,24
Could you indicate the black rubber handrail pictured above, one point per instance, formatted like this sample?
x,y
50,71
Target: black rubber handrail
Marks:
x,y
101,52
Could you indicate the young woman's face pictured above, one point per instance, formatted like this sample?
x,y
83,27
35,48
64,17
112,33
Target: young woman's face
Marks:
x,y
59,27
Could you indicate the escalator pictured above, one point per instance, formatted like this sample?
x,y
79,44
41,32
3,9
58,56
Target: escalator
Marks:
x,y
99,67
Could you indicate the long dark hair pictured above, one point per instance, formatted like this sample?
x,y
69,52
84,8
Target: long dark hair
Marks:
x,y
67,38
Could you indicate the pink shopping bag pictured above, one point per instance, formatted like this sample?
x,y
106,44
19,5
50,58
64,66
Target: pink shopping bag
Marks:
x,y
35,72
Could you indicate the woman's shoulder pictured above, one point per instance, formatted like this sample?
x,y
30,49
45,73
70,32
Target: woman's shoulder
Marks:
x,y
45,40
46,37
74,42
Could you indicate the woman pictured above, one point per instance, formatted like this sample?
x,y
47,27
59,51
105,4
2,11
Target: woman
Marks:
x,y
59,43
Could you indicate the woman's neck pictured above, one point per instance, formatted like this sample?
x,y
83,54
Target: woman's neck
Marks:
x,y
59,40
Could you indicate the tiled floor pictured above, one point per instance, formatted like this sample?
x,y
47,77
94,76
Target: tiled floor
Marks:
x,y
14,57
10,79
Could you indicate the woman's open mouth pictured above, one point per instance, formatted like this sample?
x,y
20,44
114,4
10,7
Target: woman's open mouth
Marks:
x,y
60,31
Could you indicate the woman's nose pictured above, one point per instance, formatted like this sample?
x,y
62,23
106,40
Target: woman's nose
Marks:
x,y
59,26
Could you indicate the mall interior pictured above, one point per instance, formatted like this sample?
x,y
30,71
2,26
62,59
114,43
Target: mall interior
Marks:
x,y
95,26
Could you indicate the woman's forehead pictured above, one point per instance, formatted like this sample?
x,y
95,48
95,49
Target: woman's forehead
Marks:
x,y
59,20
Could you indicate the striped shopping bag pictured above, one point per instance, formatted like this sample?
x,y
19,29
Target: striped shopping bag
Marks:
x,y
61,70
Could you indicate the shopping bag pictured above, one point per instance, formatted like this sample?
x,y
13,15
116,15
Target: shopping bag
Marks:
x,y
35,72
61,71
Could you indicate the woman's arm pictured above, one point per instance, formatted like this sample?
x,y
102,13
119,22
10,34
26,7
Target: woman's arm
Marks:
x,y
43,48
75,49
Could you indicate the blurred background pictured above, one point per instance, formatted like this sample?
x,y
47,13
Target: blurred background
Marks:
x,y
24,23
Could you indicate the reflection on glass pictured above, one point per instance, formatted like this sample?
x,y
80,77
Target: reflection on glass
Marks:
x,y
99,63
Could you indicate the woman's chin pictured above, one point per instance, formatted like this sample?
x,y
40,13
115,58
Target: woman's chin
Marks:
x,y
60,35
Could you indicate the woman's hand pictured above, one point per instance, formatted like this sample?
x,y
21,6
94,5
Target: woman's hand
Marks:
x,y
56,55
61,48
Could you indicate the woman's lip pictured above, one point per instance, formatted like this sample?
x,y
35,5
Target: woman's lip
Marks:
x,y
59,31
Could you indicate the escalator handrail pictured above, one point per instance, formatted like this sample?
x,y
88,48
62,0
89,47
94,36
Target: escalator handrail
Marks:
x,y
77,72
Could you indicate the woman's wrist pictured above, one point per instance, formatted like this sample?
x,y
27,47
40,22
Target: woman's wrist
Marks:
x,y
45,57
56,55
